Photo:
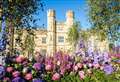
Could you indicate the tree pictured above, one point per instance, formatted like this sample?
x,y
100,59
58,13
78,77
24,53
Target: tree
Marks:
x,y
18,14
84,34
29,42
104,15
73,34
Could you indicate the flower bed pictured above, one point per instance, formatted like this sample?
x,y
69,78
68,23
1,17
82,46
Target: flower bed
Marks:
x,y
59,68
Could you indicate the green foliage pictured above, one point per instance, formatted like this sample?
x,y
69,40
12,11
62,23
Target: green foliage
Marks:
x,y
73,34
29,42
84,34
105,18
97,76
48,77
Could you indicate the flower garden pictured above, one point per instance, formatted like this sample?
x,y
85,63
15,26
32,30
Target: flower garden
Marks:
x,y
62,68
84,65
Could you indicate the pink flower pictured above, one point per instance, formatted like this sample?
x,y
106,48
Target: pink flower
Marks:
x,y
81,74
28,76
79,65
20,58
6,79
16,73
9,69
96,66
48,67
75,68
90,65
62,71
101,67
25,63
58,63
56,76
68,66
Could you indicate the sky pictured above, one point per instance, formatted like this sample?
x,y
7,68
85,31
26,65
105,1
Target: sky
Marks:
x,y
79,7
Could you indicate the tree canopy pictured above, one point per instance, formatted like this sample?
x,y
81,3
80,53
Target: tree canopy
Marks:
x,y
20,11
104,16
18,14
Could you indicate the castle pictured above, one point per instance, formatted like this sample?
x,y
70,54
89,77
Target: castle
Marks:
x,y
55,37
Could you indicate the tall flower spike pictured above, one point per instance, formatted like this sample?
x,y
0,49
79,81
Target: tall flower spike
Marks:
x,y
2,35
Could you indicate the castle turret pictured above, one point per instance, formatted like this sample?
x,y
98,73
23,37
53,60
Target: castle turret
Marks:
x,y
51,40
69,18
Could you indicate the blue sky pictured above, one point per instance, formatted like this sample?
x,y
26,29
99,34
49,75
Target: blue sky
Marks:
x,y
61,6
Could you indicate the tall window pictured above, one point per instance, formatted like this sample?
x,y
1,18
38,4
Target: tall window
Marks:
x,y
60,39
43,39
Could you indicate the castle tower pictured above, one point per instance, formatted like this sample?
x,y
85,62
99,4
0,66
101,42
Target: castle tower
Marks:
x,y
51,34
69,18
68,24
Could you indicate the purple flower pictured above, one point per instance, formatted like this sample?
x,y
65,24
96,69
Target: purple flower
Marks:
x,y
58,55
81,44
68,66
18,79
108,69
95,59
49,60
37,66
2,72
90,52
106,57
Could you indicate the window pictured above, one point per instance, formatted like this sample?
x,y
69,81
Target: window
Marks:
x,y
43,39
60,39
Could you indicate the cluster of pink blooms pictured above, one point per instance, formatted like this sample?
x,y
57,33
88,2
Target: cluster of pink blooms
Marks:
x,y
14,71
57,66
